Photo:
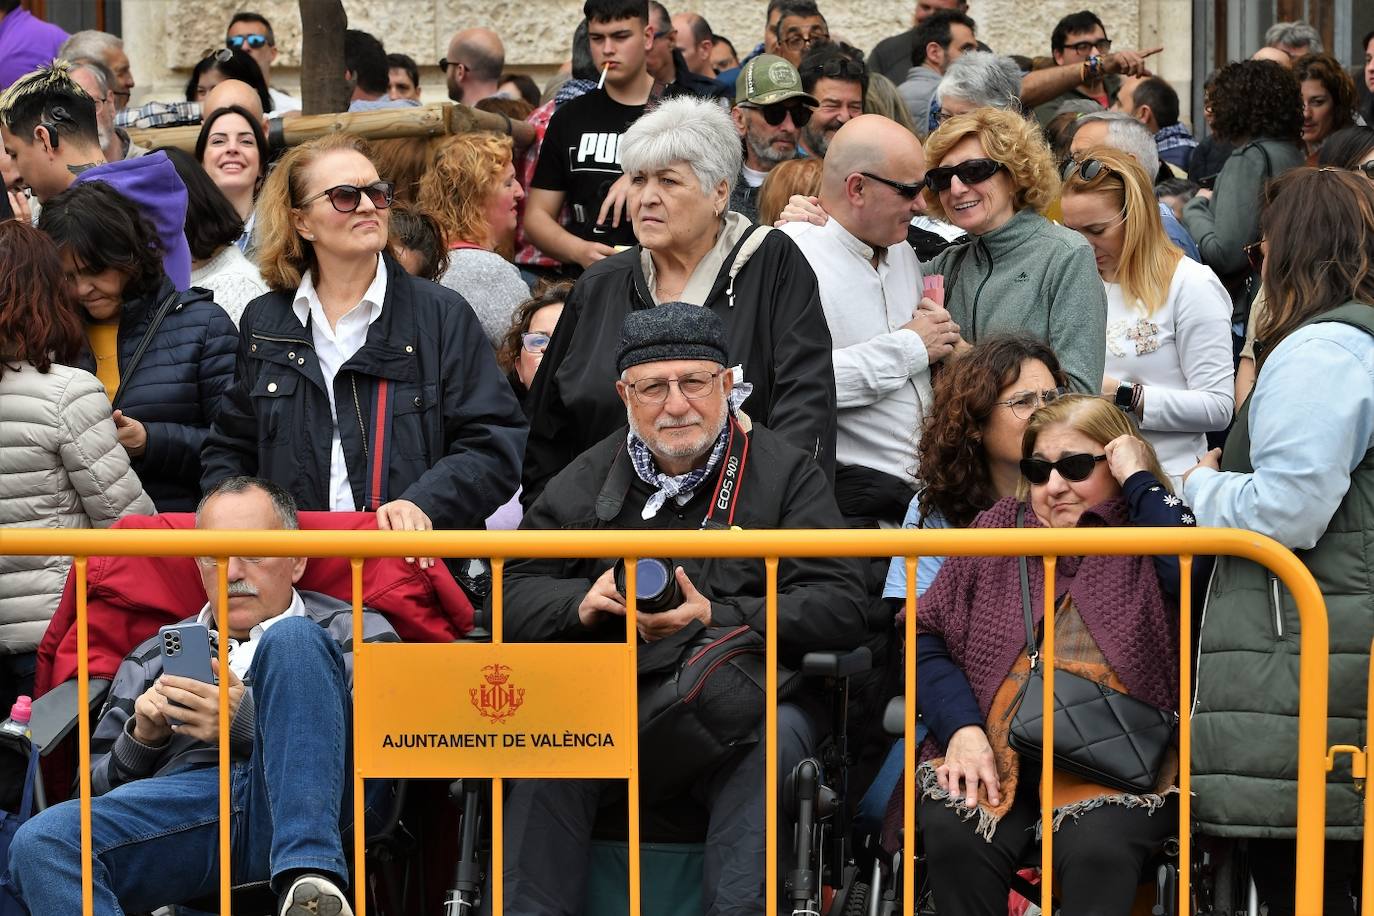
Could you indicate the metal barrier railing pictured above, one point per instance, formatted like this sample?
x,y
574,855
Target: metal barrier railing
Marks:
x,y
398,665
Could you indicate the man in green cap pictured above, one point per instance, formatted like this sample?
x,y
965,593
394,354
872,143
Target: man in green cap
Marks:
x,y
770,111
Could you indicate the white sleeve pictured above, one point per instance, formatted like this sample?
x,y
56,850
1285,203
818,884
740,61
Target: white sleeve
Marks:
x,y
867,372
1202,335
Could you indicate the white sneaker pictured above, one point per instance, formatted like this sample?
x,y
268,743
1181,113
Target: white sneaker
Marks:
x,y
314,895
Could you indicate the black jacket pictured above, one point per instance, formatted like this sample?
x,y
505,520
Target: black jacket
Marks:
x,y
820,600
456,430
176,388
774,325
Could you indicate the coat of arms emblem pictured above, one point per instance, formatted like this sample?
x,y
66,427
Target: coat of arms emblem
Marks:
x,y
497,699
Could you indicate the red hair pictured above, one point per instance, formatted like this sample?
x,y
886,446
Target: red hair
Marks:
x,y
38,320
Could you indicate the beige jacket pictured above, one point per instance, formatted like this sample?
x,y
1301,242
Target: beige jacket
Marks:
x,y
61,466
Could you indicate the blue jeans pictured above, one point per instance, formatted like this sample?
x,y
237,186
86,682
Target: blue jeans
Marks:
x,y
155,841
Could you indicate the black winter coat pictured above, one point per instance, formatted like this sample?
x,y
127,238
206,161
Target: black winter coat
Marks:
x,y
821,600
176,388
775,328
456,432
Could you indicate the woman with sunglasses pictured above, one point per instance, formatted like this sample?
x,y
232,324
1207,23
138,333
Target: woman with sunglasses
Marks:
x,y
1084,465
1298,467
220,64
232,149
164,357
358,386
990,174
1350,148
472,191
1168,356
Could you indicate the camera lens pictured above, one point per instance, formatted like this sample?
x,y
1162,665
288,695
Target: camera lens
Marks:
x,y
655,584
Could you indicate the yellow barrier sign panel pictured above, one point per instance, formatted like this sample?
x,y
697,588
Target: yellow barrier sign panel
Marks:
x,y
436,711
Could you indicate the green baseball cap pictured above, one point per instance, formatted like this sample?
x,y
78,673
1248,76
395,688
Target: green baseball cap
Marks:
x,y
767,80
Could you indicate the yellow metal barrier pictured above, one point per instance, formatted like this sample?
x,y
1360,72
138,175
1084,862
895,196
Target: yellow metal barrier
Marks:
x,y
770,545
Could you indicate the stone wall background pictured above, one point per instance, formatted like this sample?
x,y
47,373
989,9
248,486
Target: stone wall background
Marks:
x,y
165,38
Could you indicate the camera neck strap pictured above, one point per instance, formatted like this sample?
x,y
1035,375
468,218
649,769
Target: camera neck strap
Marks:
x,y
721,513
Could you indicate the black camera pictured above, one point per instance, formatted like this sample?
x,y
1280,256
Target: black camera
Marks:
x,y
656,588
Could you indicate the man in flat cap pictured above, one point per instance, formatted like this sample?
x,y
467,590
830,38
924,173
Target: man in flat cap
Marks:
x,y
688,458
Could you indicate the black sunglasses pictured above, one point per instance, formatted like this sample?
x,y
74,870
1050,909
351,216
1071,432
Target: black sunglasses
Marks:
x,y
253,41
909,191
1254,253
970,171
1074,468
841,68
1367,168
1088,169
774,115
346,197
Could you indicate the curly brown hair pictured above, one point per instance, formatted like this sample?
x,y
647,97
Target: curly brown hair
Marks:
x,y
508,353
1254,99
953,465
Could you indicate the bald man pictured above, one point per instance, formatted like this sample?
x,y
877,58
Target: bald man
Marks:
x,y
1276,55
475,60
693,37
886,337
235,92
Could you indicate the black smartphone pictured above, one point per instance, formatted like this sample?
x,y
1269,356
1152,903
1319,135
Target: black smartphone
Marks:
x,y
1207,182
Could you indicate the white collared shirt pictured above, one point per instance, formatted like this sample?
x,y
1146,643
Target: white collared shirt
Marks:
x,y
882,370
334,347
241,653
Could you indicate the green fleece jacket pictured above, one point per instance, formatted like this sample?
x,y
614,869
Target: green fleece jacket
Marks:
x,y
1033,276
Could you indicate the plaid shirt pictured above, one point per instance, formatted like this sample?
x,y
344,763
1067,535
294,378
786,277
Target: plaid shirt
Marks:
x,y
1174,136
159,114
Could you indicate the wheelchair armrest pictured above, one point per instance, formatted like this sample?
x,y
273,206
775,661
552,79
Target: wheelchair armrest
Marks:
x,y
55,712
837,664
894,717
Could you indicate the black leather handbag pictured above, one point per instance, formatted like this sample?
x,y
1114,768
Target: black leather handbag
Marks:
x,y
1100,734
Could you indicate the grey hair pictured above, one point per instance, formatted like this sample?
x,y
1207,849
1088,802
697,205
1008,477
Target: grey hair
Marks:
x,y
89,43
282,502
1127,134
104,76
1296,35
984,80
686,129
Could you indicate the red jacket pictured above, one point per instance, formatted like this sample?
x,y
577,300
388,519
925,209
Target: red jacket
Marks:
x,y
128,598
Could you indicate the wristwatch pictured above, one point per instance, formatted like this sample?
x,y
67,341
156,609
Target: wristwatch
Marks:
x,y
1125,392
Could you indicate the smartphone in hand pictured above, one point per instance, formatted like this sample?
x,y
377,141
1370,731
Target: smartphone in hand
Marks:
x,y
186,653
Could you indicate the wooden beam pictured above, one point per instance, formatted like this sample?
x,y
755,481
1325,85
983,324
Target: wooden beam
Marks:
x,y
432,120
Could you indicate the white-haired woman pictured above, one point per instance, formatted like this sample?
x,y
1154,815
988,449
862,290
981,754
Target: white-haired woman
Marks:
x,y
682,159
976,79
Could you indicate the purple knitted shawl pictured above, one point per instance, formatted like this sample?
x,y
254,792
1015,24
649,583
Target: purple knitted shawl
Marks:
x,y
975,604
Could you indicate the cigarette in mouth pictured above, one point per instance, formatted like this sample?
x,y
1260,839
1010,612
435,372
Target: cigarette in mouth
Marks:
x,y
602,82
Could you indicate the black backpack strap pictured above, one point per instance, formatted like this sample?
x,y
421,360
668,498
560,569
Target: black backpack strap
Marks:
x,y
127,372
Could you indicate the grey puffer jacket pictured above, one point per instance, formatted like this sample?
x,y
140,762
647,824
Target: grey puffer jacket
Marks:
x,y
61,466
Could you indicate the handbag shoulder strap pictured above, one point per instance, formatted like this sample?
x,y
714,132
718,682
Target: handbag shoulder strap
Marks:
x,y
1031,648
143,344
30,777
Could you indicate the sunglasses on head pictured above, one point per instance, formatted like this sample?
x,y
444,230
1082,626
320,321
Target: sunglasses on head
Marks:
x,y
841,68
774,115
909,191
1073,468
346,197
1367,168
254,42
1088,169
970,171
222,55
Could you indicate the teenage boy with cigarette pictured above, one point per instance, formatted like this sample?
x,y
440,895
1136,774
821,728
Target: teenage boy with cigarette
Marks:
x,y
579,162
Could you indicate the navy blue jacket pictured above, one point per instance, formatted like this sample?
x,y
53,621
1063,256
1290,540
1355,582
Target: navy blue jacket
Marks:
x,y
454,431
176,388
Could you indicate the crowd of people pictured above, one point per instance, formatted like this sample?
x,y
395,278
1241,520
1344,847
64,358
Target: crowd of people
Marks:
x,y
927,287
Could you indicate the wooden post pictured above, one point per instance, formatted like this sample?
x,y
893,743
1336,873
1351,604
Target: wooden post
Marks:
x,y
323,23
433,120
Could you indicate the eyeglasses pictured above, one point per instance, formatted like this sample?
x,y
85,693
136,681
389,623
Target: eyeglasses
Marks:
x,y
970,171
1073,468
841,68
223,55
346,197
445,63
1367,169
534,342
774,115
1101,46
254,42
1088,169
1254,253
1025,403
210,562
909,191
797,42
693,385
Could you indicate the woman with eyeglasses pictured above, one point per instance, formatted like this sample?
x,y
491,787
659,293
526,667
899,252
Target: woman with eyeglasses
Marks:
x,y
990,174
165,358
1083,464
472,191
232,149
359,387
1298,467
1168,358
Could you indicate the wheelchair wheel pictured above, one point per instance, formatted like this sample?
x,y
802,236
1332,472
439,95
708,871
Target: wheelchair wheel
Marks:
x,y
856,904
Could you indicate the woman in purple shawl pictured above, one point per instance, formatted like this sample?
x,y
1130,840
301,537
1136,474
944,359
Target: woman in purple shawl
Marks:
x,y
1085,465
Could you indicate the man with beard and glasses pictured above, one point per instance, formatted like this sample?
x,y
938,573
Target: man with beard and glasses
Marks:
x,y
688,459
155,764
770,111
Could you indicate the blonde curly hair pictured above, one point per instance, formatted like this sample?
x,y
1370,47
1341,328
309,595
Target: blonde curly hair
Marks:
x,y
1011,140
455,189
